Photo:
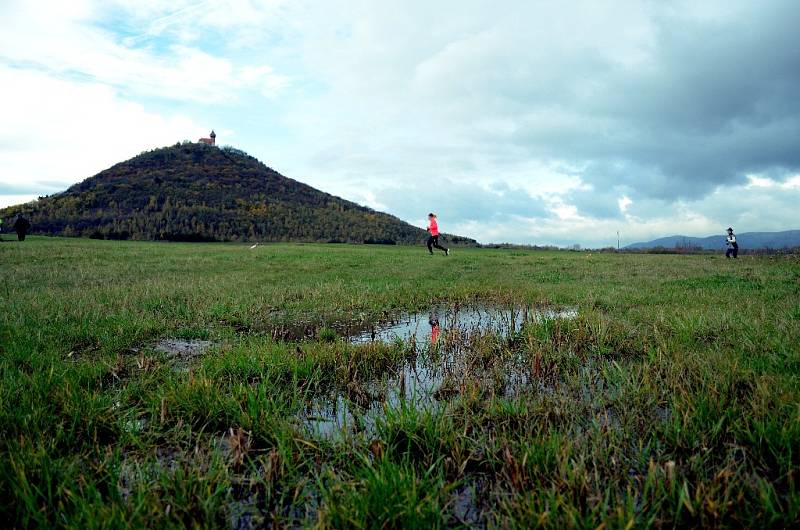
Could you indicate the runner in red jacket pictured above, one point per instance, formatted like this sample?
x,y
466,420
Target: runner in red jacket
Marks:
x,y
433,240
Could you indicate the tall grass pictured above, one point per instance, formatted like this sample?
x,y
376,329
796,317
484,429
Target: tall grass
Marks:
x,y
672,400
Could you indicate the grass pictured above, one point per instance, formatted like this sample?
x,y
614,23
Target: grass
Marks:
x,y
673,399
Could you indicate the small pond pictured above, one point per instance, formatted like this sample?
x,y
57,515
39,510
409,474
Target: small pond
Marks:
x,y
454,356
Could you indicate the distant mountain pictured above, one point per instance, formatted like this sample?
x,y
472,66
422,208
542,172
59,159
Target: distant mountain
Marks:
x,y
746,240
197,192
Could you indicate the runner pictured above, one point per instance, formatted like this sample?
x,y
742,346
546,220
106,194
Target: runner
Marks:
x,y
433,240
733,246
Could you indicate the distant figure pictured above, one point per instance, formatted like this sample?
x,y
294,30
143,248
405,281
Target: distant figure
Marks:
x,y
733,246
21,226
433,240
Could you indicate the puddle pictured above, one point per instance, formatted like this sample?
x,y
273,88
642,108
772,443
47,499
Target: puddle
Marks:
x,y
470,504
359,328
433,326
135,425
244,514
183,349
310,329
457,355
143,469
423,382
234,445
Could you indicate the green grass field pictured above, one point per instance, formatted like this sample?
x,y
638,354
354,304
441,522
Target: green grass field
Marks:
x,y
673,399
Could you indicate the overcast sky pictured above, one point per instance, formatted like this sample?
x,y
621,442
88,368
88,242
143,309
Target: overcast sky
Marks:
x,y
519,121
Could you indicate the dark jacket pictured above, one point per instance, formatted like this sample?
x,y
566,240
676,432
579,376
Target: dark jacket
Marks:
x,y
22,225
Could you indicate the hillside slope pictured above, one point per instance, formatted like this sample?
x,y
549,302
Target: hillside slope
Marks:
x,y
196,192
750,240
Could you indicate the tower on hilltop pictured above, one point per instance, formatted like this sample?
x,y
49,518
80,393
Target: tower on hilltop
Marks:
x,y
211,140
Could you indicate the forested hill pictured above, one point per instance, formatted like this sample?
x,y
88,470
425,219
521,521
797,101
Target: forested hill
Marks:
x,y
196,192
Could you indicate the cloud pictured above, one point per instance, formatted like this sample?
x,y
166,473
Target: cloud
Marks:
x,y
745,206
7,188
677,101
756,181
11,200
461,201
59,132
74,46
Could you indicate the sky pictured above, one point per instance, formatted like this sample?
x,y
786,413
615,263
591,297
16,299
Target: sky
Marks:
x,y
536,122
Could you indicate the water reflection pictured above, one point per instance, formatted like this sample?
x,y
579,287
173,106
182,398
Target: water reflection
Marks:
x,y
443,321
433,321
453,355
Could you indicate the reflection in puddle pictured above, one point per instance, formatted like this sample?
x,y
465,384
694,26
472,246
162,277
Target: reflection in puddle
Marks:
x,y
455,355
421,383
427,327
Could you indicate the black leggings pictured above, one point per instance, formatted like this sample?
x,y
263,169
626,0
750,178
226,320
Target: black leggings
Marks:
x,y
732,250
433,241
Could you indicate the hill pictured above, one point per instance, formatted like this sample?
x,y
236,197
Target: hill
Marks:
x,y
196,192
746,240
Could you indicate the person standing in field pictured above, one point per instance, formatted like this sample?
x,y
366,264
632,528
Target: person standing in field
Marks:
x,y
22,226
433,239
733,246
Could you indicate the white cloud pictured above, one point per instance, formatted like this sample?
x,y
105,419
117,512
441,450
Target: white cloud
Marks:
x,y
791,183
758,181
68,45
755,181
66,131
564,212
10,200
623,203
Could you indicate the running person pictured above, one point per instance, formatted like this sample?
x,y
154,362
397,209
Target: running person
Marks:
x,y
733,246
433,240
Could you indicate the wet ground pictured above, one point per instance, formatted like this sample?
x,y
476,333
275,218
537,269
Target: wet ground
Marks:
x,y
454,354
389,326
181,353
183,349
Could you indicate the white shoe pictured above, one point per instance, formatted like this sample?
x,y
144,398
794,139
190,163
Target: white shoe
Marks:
x,y
447,252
